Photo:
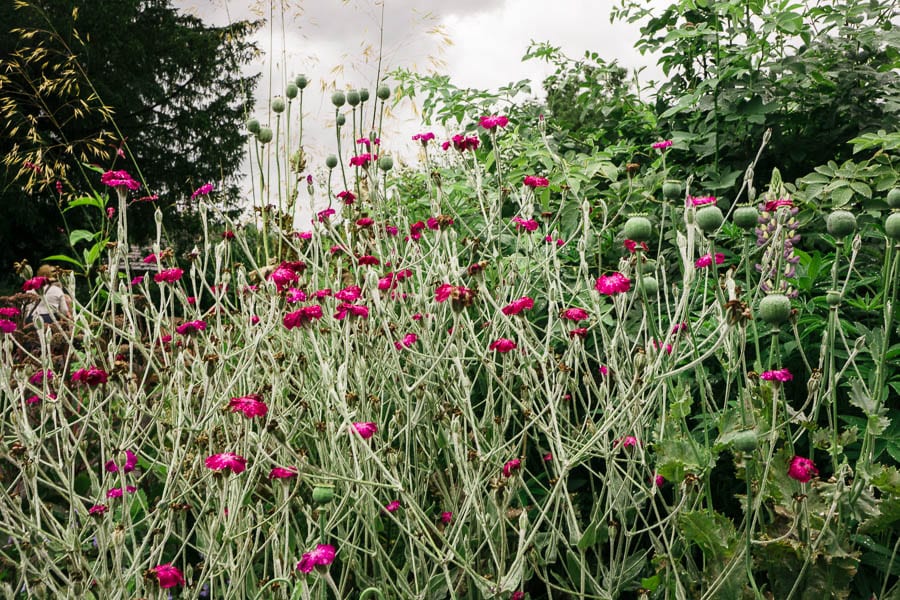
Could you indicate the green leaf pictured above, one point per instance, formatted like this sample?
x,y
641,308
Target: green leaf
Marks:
x,y
80,235
95,201
713,533
841,197
861,188
860,398
63,258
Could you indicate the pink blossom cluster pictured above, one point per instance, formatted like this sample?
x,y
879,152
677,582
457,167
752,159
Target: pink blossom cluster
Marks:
x,y
533,181
777,375
493,122
462,143
526,224
117,179
250,406
322,556
609,285
168,275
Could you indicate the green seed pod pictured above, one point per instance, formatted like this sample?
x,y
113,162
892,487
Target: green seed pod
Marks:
x,y
363,94
746,217
353,98
840,223
671,190
892,226
253,126
301,81
833,297
265,135
649,285
385,163
638,228
340,120
893,198
323,494
278,104
331,161
745,441
383,92
709,218
338,98
775,309
291,90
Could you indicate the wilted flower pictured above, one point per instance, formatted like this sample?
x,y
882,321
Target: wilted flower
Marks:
x,y
91,376
168,275
283,472
517,306
365,430
439,222
391,230
323,555
368,259
167,575
459,295
502,345
511,467
251,405
612,284
802,469
203,190
130,463
227,460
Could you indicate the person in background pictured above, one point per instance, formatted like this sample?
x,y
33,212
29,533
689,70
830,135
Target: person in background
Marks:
x,y
53,305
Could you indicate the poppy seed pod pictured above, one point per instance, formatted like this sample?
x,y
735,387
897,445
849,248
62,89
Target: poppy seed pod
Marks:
x,y
338,98
278,104
291,90
775,309
383,92
745,441
833,297
253,126
746,217
385,163
301,81
671,189
340,120
363,94
892,226
331,161
709,218
353,98
264,135
323,494
638,228
649,285
840,223
893,198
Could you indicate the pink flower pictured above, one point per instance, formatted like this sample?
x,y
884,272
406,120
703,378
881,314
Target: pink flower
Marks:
x,y
117,492
168,275
37,378
802,469
7,326
391,230
526,224
364,222
629,441
138,280
574,314
632,246
130,463
323,215
603,370
423,137
679,327
517,595
283,472
549,240
323,293
439,222
511,467
251,405
610,285
368,259
283,277
578,332
659,480
92,376
228,235
110,212
446,517
363,160
203,190
227,460
408,340
98,509
365,430
774,205
323,555
9,312
294,296
502,345
392,506
661,145
702,200
517,306
455,293
658,345
302,316
167,575
462,143
117,179
493,122
367,142
356,310
35,283
779,375
548,457
349,294
706,260
347,197
190,327
536,182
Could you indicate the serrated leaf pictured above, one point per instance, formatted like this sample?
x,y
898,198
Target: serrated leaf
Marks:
x,y
711,532
860,398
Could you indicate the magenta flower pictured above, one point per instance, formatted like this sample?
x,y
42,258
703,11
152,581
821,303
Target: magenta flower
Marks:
x,y
138,280
632,246
168,275
574,314
98,509
610,285
190,327
679,327
364,222
347,197
365,430
493,122
536,182
117,492
323,555
117,179
391,230
35,283
802,469
462,143
7,326
526,224
706,260
323,215
629,441
517,595
8,312
662,145
408,340
548,457
130,463
349,294
446,517
580,332
302,316
502,345
455,293
250,405
778,375
363,160
392,506
284,276
367,142
511,467
283,472
423,137
773,205
92,376
37,378
439,222
168,576
293,296
517,306
203,190
603,370
701,200
227,460
368,259
355,310
659,480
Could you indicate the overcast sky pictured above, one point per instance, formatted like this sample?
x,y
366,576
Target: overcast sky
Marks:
x,y
478,43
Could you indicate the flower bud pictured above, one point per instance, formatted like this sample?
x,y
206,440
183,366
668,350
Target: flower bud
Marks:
x,y
775,309
840,223
638,228
671,190
383,92
353,97
278,104
385,163
893,198
265,135
746,217
291,90
833,297
340,120
253,126
709,218
892,226
338,98
301,81
331,161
